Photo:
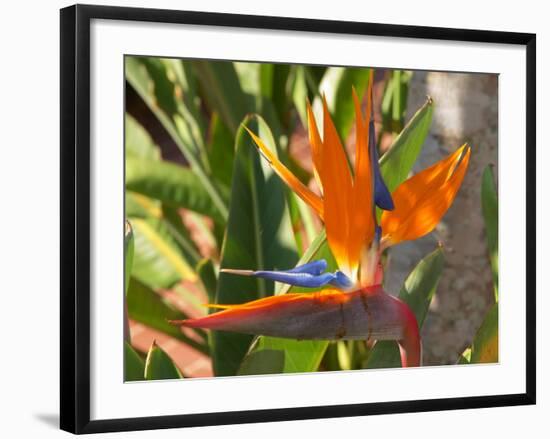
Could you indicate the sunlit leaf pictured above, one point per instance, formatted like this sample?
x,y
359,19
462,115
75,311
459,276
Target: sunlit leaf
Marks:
x,y
259,236
158,261
170,183
137,141
336,86
159,366
465,357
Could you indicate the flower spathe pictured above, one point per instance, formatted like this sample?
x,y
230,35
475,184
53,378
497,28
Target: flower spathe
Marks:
x,y
355,307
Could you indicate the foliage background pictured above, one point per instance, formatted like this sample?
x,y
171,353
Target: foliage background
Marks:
x,y
468,113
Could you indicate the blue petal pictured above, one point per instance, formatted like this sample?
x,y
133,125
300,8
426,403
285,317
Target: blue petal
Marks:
x,y
297,279
315,267
382,196
341,281
309,275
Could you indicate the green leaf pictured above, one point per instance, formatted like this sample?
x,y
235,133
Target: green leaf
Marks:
x,y
145,76
398,162
485,346
137,141
207,275
301,355
300,92
465,357
128,254
140,206
172,184
279,96
147,307
220,150
159,366
223,91
394,102
336,85
489,207
259,236
133,364
417,292
263,362
158,261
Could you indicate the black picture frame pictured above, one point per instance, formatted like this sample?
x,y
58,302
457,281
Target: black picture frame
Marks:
x,y
75,216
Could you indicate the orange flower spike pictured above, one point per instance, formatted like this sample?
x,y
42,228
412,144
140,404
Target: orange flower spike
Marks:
x,y
362,218
337,186
288,177
422,200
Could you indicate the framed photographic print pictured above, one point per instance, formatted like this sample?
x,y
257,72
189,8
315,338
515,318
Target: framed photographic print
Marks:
x,y
283,218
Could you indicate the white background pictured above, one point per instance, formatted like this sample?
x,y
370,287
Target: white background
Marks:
x,y
30,242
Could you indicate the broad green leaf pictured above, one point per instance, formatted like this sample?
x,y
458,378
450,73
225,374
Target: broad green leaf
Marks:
x,y
159,95
137,141
336,85
263,362
223,91
279,96
134,366
489,206
172,184
159,366
207,274
158,261
300,92
398,162
221,150
301,355
128,254
259,236
417,292
485,346
147,307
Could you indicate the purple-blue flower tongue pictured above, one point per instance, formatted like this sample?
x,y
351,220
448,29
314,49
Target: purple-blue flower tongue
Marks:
x,y
314,267
309,275
382,196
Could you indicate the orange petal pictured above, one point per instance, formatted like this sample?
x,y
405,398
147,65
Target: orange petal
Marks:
x,y
422,200
362,214
337,186
288,177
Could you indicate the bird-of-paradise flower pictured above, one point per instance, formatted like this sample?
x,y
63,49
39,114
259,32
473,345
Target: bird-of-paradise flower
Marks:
x,y
355,305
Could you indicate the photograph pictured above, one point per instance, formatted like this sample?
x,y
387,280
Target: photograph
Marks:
x,y
288,218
